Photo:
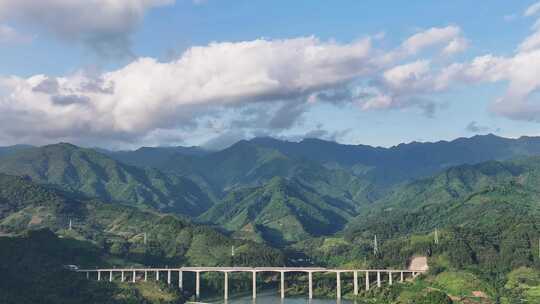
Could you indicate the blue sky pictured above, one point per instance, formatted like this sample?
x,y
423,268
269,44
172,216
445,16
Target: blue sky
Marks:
x,y
167,72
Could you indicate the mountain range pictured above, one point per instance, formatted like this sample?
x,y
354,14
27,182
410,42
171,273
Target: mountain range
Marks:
x,y
261,189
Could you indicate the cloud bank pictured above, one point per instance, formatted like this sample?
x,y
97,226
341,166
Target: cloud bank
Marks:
x,y
273,81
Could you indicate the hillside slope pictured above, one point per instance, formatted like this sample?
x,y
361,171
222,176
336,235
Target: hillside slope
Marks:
x,y
94,175
282,211
120,230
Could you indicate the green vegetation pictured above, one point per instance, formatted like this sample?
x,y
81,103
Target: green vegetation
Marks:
x,y
281,211
33,271
87,173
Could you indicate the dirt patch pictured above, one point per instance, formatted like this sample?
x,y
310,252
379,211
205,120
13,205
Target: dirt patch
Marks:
x,y
419,263
35,220
479,294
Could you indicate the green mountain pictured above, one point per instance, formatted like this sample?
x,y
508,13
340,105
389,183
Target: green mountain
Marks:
x,y
486,217
94,175
120,230
249,165
406,161
463,195
281,211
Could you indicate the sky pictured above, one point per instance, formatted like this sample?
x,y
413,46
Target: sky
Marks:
x,y
121,74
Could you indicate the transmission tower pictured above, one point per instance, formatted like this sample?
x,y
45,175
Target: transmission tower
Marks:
x,y
375,246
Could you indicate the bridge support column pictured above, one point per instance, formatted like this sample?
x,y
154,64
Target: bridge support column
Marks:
x,y
169,277
180,280
99,275
226,286
310,282
157,275
378,279
355,278
338,285
197,284
390,278
110,276
282,285
254,283
401,277
367,280
88,275
134,276
146,275
122,278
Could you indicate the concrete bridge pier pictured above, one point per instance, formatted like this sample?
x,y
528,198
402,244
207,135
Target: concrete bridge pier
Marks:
x,y
310,281
110,276
401,277
99,275
355,283
123,277
134,276
197,284
180,280
169,277
157,275
254,284
390,278
338,285
378,279
367,280
282,284
145,275
226,286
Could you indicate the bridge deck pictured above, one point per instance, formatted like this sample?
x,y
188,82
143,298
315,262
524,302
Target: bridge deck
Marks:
x,y
253,269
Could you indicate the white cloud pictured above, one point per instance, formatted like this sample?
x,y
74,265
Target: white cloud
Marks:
x,y
430,37
105,25
407,74
280,79
532,10
148,94
457,45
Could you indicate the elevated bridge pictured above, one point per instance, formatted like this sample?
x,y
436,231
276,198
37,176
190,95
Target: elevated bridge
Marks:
x,y
371,276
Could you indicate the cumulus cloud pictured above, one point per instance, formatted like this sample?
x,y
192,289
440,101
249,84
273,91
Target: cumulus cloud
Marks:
x,y
105,25
277,80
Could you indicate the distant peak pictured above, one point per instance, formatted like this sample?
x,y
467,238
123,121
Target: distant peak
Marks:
x,y
64,145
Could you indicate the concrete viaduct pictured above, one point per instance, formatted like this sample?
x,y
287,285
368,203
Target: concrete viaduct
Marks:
x,y
130,275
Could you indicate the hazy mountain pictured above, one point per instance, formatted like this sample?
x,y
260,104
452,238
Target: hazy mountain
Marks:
x,y
281,211
406,161
94,175
153,156
12,149
246,164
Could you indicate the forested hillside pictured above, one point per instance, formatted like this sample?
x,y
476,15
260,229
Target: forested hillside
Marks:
x,y
88,173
